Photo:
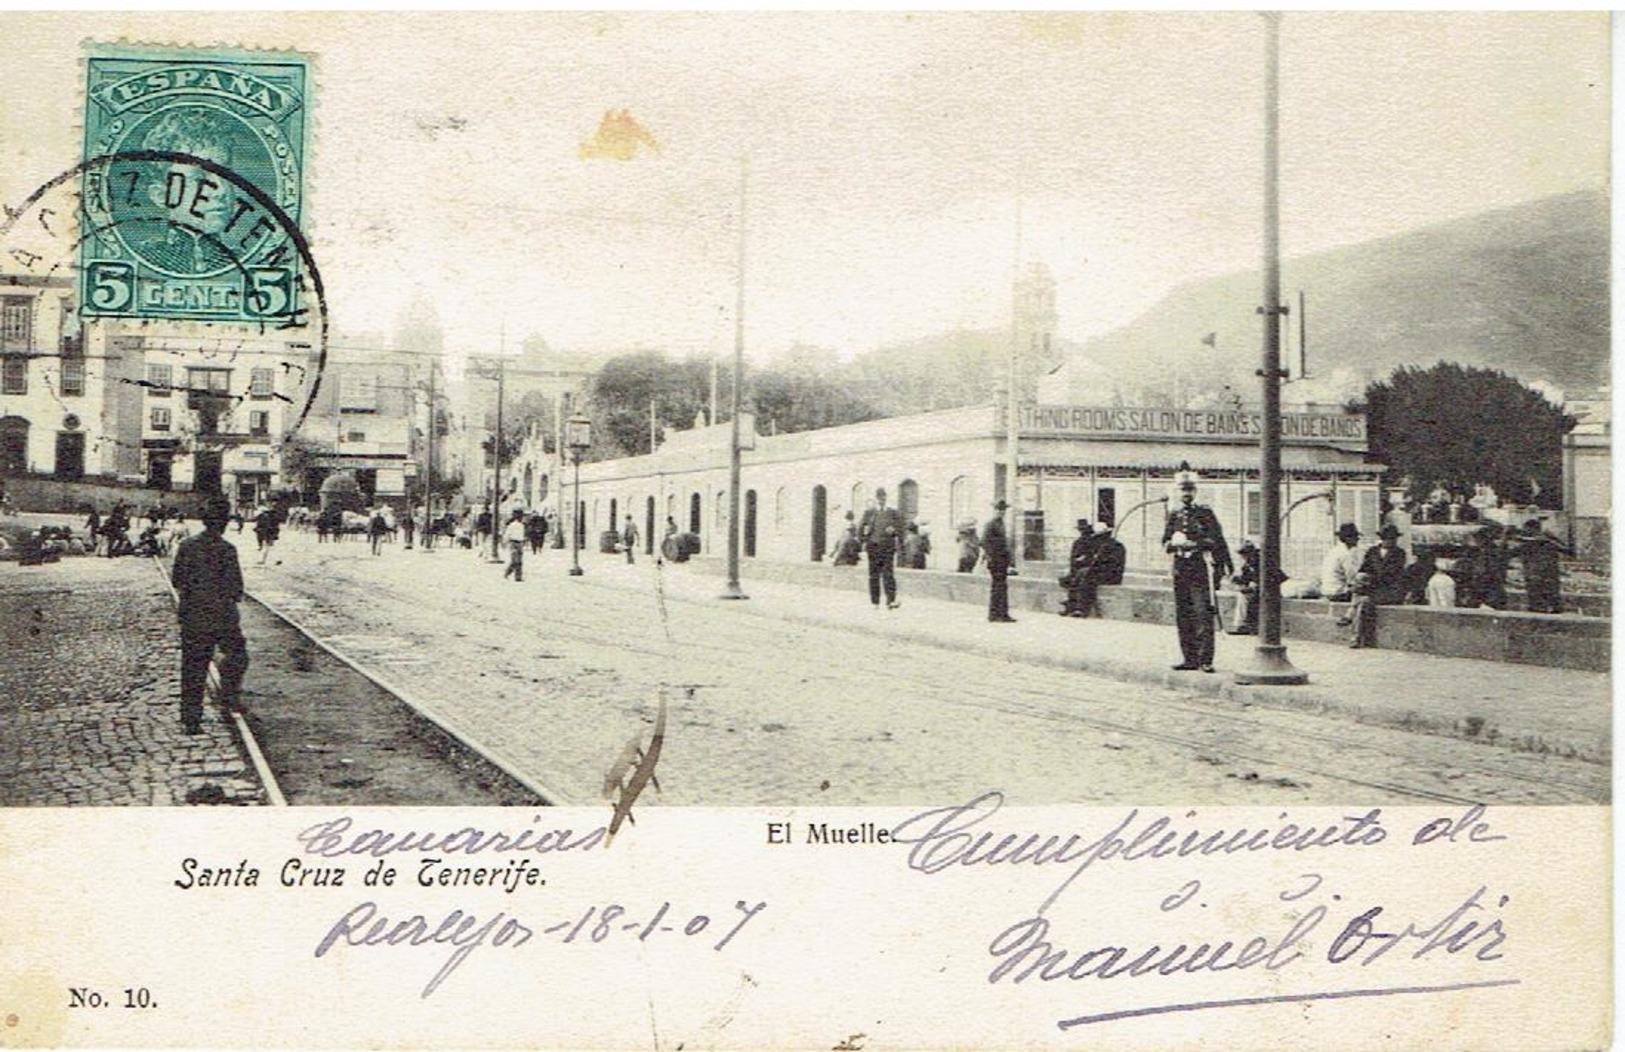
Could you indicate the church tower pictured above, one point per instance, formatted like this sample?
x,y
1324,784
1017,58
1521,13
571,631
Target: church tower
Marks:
x,y
1033,302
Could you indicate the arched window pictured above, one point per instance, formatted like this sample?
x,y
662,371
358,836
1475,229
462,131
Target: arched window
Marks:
x,y
960,507
779,511
908,499
694,513
860,500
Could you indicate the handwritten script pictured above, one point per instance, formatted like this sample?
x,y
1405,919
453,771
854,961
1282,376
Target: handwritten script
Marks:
x,y
1305,922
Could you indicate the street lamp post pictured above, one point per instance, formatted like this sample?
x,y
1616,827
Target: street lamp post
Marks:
x,y
1270,664
578,439
733,590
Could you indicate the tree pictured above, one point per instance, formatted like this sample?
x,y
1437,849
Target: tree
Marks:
x,y
1456,426
625,387
807,388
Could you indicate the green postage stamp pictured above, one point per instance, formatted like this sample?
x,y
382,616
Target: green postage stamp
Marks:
x,y
193,189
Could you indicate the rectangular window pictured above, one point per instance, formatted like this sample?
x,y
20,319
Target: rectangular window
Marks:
x,y
160,378
214,381
159,417
73,376
1255,513
358,394
262,383
16,322
14,375
259,422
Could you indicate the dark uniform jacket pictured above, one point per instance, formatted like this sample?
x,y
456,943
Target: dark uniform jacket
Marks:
x,y
208,581
1201,528
881,528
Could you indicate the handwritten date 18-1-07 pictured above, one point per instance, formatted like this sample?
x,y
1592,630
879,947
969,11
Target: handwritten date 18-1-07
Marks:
x,y
364,926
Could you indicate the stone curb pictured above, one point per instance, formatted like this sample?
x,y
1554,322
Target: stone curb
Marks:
x,y
1311,698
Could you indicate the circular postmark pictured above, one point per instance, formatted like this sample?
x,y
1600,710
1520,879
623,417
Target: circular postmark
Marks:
x,y
177,235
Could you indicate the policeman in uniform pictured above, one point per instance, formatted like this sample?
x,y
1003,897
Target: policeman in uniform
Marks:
x,y
209,582
1192,536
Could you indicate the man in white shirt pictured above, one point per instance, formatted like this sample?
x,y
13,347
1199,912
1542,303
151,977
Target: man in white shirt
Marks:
x,y
1337,570
513,535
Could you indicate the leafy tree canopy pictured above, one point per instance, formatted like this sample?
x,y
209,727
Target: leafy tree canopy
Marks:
x,y
1454,426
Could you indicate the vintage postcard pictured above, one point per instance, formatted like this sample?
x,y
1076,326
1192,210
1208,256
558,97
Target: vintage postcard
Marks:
x,y
888,530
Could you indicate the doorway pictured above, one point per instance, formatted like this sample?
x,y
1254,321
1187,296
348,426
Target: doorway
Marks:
x,y
70,455
820,523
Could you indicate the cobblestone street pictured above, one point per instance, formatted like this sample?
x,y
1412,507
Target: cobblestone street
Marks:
x,y
798,696
89,710
555,674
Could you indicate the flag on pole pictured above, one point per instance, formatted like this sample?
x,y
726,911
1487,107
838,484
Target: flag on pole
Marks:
x,y
618,138
1211,340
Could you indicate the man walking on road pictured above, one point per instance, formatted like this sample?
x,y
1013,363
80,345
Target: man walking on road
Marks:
x,y
629,538
996,546
1192,536
879,533
209,583
513,535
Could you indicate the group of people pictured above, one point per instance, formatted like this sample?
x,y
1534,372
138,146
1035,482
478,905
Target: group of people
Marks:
x,y
155,531
1097,558
1474,577
883,537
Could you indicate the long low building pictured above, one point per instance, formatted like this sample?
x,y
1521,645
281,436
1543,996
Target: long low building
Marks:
x,y
944,468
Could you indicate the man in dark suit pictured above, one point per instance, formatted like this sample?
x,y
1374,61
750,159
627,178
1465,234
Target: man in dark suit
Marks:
x,y
1383,572
209,582
880,531
996,546
1192,536
1110,559
1082,559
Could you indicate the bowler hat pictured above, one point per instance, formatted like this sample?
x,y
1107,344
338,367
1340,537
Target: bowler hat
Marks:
x,y
1389,532
1348,532
1083,524
1001,505
216,509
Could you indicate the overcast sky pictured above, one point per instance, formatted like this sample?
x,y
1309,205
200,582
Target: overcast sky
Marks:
x,y
887,156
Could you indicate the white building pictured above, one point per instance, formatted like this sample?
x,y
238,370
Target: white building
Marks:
x,y
56,394
1099,462
1588,476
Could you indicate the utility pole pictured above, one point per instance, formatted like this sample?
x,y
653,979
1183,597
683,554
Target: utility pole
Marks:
x,y
733,591
1270,664
561,402
1012,423
496,474
713,419
428,493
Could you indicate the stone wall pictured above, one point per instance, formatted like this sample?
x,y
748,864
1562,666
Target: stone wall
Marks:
x,y
1552,640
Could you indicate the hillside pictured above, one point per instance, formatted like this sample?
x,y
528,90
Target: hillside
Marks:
x,y
1522,289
